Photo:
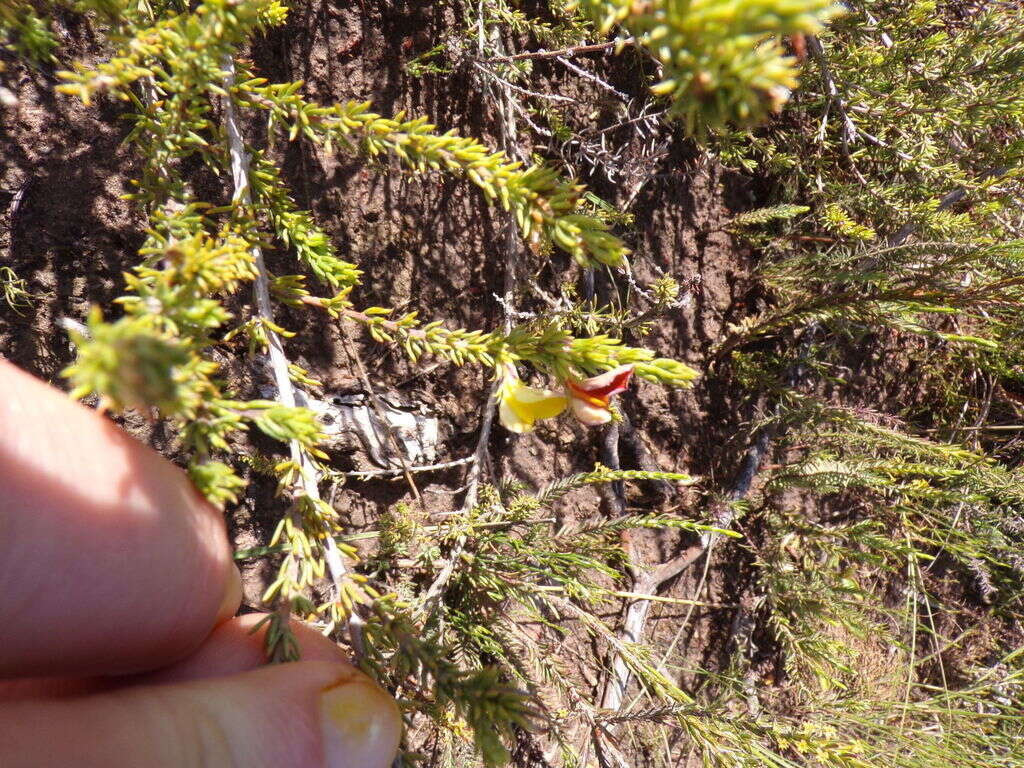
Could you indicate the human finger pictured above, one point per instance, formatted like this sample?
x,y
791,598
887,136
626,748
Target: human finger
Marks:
x,y
238,645
110,562
306,713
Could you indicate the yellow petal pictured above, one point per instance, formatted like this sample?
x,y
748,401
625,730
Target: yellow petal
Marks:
x,y
510,419
520,406
540,403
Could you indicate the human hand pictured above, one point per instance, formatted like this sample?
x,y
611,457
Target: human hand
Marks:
x,y
117,642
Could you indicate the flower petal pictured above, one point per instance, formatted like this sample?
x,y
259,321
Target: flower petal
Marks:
x,y
607,384
580,394
520,405
588,414
525,394
510,420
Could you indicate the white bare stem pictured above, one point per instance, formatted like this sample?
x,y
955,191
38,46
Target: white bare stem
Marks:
x,y
308,475
520,90
635,621
372,473
592,78
631,632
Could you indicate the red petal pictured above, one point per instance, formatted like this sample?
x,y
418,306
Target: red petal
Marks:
x,y
607,384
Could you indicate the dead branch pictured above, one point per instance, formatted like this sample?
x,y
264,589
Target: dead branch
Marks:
x,y
573,50
637,611
374,473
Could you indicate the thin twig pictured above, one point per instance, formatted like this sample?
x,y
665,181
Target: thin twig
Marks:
x,y
849,131
592,78
849,128
278,360
396,472
573,50
645,117
529,121
518,89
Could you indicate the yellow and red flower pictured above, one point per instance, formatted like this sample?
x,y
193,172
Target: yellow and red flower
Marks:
x,y
590,398
520,406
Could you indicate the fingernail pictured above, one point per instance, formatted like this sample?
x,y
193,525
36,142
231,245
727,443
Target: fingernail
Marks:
x,y
361,725
232,595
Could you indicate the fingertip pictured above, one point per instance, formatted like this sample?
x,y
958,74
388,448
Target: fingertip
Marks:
x,y
232,594
361,723
238,645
